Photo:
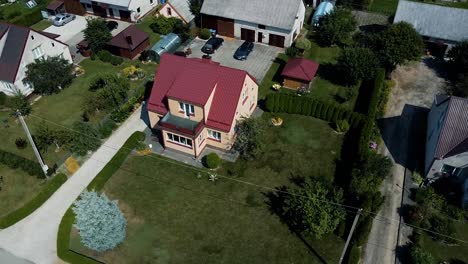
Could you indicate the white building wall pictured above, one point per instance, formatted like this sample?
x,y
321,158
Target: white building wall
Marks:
x,y
48,50
145,7
165,12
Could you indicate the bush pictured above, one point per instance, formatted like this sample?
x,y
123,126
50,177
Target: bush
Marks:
x,y
342,126
363,230
204,33
3,98
292,51
21,143
148,55
105,56
212,161
14,161
20,213
106,127
13,14
115,60
28,19
303,44
354,255
20,102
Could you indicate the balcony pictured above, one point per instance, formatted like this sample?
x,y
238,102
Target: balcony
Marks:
x,y
182,125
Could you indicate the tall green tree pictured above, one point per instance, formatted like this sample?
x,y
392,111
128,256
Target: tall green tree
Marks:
x,y
110,91
336,28
398,44
250,141
84,137
97,34
355,64
195,8
306,211
20,102
49,75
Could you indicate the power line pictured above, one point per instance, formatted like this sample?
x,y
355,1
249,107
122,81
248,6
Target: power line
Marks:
x,y
346,207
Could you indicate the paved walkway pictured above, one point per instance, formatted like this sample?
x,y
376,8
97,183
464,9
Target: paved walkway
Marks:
x,y
35,237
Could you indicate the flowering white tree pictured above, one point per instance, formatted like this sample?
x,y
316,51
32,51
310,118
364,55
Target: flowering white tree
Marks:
x,y
99,220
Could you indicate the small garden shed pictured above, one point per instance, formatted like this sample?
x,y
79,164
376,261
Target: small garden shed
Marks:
x,y
129,43
298,73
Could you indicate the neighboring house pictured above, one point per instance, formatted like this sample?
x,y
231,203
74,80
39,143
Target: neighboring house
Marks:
x,y
177,8
126,10
129,43
323,9
299,73
20,46
447,138
273,22
445,26
196,103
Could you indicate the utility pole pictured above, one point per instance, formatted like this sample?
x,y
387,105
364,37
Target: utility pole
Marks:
x,y
350,235
33,145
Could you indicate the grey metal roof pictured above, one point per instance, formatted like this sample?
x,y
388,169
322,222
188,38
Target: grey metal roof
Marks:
x,y
182,7
10,57
435,21
274,13
453,137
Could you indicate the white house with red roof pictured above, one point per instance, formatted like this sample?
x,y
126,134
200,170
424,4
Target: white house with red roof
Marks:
x,y
20,46
196,103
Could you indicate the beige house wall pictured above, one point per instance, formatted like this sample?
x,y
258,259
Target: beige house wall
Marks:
x,y
154,118
174,108
227,140
169,144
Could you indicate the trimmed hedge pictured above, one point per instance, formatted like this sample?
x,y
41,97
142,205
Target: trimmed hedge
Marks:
x,y
28,19
212,161
14,161
292,104
20,213
63,237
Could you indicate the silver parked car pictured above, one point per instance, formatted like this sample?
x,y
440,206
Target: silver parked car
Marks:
x,y
62,19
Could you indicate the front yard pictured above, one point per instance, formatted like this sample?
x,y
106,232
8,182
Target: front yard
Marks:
x,y
176,217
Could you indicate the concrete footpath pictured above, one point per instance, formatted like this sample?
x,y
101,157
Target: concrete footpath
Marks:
x,y
35,237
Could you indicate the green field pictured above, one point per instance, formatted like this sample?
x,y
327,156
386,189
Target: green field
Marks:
x,y
41,25
442,252
387,7
175,217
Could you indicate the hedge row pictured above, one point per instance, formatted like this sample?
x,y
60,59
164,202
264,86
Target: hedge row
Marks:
x,y
63,238
14,161
124,111
36,202
28,19
292,104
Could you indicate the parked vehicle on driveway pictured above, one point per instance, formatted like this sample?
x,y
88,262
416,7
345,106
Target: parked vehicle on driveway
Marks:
x,y
243,51
62,19
111,25
212,45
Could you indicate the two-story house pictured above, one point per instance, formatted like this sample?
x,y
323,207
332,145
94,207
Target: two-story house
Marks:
x,y
196,103
20,46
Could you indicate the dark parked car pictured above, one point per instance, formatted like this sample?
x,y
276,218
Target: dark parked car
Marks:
x,y
212,45
111,25
243,51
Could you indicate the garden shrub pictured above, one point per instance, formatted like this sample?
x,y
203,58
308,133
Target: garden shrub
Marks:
x,y
292,51
20,213
14,161
148,55
105,56
115,60
106,127
291,104
354,255
204,33
28,19
303,43
342,126
3,98
363,230
13,14
21,143
212,161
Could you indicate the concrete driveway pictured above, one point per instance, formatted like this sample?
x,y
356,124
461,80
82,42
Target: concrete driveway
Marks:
x,y
257,64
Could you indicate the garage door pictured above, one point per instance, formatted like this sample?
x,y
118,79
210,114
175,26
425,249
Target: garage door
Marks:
x,y
276,40
226,27
248,34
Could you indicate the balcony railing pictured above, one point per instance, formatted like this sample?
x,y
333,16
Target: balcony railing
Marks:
x,y
182,125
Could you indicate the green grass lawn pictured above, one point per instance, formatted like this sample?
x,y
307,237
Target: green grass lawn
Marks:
x,y
442,252
175,217
145,26
17,189
387,7
41,25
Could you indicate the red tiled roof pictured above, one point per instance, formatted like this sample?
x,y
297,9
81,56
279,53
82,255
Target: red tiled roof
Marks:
x,y
132,33
54,5
300,68
193,80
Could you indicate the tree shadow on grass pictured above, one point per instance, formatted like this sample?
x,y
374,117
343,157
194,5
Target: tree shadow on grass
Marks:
x,y
275,201
282,63
329,72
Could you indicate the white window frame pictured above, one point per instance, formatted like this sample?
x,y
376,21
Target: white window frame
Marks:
x,y
8,86
212,134
179,140
38,55
188,109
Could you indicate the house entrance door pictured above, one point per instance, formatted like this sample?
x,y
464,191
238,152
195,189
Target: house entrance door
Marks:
x,y
260,37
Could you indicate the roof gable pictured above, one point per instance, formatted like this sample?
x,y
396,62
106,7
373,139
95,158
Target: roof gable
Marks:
x,y
434,20
300,68
10,58
274,13
136,36
453,138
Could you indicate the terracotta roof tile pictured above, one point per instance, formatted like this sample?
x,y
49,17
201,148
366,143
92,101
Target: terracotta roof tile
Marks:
x,y
300,68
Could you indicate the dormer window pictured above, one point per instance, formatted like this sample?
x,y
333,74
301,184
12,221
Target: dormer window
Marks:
x,y
188,109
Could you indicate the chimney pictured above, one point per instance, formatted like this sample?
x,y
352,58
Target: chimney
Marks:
x,y
129,40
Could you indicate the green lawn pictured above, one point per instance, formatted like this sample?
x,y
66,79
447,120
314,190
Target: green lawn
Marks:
x,y
41,25
17,189
145,26
387,7
442,252
175,217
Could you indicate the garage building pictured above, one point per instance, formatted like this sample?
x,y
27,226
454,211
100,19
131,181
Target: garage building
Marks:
x,y
273,22
129,43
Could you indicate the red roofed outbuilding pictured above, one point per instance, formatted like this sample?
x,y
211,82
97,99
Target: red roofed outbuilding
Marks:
x,y
195,103
298,73
129,43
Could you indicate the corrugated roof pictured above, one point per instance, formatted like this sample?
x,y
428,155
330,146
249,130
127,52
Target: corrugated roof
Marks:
x,y
183,9
323,9
137,37
453,137
10,58
435,21
193,80
300,68
274,13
